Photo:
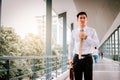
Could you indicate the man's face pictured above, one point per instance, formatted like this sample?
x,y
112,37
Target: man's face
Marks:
x,y
82,20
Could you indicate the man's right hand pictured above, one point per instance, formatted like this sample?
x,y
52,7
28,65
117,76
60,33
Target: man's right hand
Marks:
x,y
82,35
70,62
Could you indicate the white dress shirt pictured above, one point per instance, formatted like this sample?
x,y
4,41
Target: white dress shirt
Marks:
x,y
95,52
88,44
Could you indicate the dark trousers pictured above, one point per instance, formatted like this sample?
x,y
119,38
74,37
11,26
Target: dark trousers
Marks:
x,y
83,66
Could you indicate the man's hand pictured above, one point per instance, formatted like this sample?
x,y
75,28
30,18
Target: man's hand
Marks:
x,y
83,35
70,62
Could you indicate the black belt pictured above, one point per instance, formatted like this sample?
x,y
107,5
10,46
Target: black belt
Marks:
x,y
84,55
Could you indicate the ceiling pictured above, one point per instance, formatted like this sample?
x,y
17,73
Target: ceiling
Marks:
x,y
101,13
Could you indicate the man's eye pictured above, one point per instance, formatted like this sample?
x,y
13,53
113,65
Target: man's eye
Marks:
x,y
81,18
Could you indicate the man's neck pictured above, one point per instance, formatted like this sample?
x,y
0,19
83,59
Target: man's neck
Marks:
x,y
82,26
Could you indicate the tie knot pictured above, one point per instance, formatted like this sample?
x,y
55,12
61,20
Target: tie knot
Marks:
x,y
81,30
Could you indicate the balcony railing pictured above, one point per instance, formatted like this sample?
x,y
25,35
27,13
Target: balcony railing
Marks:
x,y
31,67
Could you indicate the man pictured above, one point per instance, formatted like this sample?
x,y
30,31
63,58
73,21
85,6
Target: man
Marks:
x,y
90,39
101,54
95,54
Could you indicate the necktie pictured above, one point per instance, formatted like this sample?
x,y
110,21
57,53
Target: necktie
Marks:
x,y
80,48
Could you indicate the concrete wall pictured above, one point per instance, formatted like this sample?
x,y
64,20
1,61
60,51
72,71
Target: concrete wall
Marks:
x,y
115,24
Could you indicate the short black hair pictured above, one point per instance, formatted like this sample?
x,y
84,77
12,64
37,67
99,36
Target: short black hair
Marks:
x,y
95,47
81,13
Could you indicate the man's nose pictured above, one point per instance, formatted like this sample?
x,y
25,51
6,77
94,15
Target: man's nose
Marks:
x,y
82,19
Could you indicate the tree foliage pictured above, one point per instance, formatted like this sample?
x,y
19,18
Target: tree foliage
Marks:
x,y
33,45
8,41
11,44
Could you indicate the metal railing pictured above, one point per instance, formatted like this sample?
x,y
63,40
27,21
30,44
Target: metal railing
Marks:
x,y
31,67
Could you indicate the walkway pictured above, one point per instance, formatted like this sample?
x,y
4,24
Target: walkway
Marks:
x,y
106,70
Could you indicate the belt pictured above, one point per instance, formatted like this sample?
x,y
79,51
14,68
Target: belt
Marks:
x,y
84,55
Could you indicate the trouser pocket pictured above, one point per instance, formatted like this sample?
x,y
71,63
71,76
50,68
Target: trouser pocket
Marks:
x,y
76,61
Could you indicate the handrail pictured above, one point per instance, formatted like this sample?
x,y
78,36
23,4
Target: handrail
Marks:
x,y
34,67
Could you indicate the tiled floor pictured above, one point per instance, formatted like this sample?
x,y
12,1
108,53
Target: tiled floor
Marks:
x,y
106,70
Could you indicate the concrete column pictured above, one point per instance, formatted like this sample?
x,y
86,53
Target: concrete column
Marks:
x,y
118,43
114,44
0,10
48,38
64,55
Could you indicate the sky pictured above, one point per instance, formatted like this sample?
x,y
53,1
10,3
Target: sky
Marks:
x,y
21,15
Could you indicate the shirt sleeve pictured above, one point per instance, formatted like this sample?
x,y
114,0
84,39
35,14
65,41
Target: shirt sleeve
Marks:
x,y
93,40
71,46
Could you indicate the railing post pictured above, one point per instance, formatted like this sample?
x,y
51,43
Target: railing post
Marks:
x,y
33,69
56,66
8,69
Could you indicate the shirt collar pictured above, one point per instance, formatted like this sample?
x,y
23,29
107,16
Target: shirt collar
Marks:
x,y
85,28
